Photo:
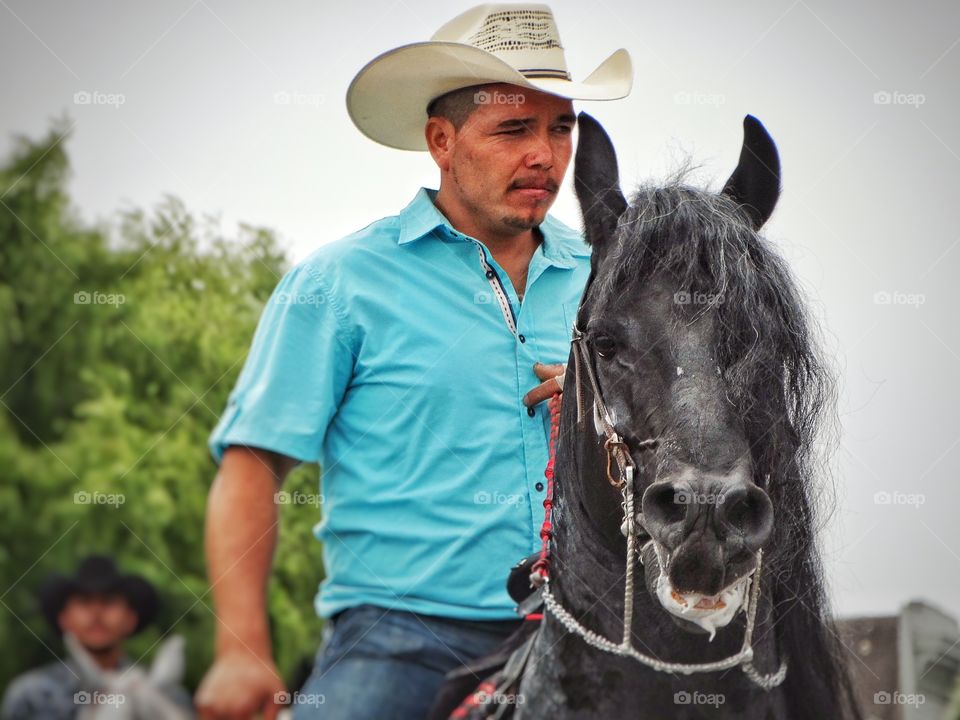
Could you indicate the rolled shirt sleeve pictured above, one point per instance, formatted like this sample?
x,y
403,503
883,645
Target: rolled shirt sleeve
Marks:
x,y
294,378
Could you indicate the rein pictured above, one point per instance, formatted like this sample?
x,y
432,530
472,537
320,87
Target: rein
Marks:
x,y
618,451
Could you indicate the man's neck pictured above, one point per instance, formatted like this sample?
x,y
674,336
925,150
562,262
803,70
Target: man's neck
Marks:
x,y
109,658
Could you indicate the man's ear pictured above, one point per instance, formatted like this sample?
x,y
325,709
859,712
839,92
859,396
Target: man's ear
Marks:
x,y
596,181
755,184
440,136
61,616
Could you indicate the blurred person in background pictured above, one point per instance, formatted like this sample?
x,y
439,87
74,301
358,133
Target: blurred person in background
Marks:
x,y
96,610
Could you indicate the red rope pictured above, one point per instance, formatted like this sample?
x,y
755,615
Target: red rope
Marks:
x,y
541,567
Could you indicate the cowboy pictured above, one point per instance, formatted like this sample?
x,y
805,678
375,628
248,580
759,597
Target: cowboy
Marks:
x,y
361,360
96,610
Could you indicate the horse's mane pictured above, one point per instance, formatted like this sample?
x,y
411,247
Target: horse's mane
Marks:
x,y
769,353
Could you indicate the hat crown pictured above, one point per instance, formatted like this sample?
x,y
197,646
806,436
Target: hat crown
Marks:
x,y
514,44
523,35
98,566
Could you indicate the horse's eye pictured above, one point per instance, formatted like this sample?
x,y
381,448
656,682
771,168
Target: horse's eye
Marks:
x,y
605,346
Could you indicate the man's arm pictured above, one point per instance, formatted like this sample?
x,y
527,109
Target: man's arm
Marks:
x,y
240,538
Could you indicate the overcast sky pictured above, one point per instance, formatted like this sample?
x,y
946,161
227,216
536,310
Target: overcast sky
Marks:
x,y
185,97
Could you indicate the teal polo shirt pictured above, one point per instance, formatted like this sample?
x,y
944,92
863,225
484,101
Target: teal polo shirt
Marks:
x,y
398,357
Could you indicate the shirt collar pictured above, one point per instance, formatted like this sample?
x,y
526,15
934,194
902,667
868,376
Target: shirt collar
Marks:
x,y
561,244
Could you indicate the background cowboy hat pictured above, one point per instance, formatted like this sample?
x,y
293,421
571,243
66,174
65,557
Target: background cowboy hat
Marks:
x,y
494,43
98,574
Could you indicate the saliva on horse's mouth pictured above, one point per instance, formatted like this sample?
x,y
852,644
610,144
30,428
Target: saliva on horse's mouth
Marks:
x,y
696,612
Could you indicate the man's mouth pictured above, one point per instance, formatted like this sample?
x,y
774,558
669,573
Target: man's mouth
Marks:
x,y
536,190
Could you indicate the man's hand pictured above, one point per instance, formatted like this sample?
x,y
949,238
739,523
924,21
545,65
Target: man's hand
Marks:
x,y
552,377
239,686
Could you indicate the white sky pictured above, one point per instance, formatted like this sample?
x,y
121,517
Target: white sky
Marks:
x,y
869,206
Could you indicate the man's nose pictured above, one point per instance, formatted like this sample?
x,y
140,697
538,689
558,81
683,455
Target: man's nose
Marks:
x,y
539,153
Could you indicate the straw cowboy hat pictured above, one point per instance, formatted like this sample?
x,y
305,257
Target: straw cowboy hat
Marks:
x,y
515,43
98,574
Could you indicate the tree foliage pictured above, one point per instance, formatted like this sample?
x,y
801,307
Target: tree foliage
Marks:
x,y
119,344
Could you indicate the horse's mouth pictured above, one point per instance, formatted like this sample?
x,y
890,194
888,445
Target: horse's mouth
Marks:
x,y
705,602
696,610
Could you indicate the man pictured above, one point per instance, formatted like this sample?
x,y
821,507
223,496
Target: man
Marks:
x,y
96,609
398,358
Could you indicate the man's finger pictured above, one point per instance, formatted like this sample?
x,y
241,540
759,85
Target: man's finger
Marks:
x,y
545,372
543,391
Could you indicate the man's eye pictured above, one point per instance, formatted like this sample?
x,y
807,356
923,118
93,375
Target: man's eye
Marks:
x,y
512,132
564,129
605,347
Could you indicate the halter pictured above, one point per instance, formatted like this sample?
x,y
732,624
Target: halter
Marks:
x,y
618,451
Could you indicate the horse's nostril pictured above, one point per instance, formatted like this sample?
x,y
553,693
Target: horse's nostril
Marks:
x,y
664,504
748,512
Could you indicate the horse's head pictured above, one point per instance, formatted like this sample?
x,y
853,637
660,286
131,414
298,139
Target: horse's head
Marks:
x,y
697,338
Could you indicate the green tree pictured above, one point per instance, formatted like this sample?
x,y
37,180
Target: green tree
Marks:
x,y
118,347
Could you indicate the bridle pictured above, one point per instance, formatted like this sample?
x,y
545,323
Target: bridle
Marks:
x,y
618,451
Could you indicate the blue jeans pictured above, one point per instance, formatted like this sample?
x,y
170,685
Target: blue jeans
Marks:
x,y
377,663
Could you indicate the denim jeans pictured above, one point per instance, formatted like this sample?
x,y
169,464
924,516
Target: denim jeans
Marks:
x,y
376,663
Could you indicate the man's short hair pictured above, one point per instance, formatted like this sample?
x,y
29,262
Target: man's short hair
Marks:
x,y
456,105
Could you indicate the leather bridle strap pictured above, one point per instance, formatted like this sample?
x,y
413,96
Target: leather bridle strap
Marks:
x,y
614,444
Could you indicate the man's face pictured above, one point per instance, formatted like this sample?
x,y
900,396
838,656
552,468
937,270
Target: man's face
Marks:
x,y
508,159
100,622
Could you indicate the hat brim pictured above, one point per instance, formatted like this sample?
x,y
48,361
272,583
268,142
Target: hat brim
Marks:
x,y
139,593
388,98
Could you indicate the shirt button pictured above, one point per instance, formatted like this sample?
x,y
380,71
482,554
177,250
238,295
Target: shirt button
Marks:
x,y
521,338
531,411
539,487
490,274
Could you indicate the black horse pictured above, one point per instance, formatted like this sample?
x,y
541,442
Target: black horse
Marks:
x,y
693,396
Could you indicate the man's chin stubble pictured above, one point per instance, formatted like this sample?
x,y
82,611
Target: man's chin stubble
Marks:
x,y
520,223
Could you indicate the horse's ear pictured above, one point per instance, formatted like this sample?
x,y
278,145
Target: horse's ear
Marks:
x,y
167,668
755,184
91,674
597,183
